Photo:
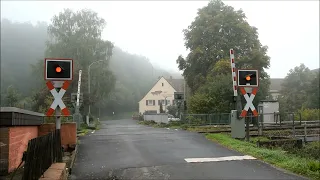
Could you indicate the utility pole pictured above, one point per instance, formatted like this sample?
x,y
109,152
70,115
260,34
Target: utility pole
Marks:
x,y
184,96
109,54
89,110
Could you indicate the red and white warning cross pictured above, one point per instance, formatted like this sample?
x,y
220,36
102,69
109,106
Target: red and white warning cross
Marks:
x,y
234,74
58,98
249,100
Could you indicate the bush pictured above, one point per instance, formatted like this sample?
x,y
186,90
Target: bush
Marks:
x,y
195,121
163,125
175,123
152,122
310,150
184,126
308,114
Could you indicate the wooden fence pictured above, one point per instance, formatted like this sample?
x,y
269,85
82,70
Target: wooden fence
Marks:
x,y
41,153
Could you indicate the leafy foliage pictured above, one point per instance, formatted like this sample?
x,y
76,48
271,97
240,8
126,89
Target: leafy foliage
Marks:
x,y
173,110
309,114
300,90
12,97
21,45
117,84
215,30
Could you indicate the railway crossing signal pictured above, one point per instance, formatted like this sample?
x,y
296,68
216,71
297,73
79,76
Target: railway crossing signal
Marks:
x,y
58,69
58,73
248,82
58,98
248,78
249,100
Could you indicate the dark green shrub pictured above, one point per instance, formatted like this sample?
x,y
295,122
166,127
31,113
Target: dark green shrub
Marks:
x,y
314,166
184,126
310,150
175,123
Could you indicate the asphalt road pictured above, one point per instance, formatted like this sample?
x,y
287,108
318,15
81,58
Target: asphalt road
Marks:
x,y
124,149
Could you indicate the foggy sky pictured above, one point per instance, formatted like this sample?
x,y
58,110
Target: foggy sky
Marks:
x,y
154,28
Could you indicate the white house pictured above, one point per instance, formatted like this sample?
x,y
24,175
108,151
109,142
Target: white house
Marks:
x,y
161,92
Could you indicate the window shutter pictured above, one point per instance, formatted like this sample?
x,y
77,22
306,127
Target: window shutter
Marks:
x,y
154,102
159,102
147,102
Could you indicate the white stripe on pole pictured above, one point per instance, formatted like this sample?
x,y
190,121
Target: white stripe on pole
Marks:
x,y
79,84
233,71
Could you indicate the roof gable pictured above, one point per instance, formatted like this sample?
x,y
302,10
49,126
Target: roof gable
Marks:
x,y
156,92
177,84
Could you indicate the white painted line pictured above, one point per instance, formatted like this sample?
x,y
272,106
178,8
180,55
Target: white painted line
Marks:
x,y
93,131
176,129
227,158
168,128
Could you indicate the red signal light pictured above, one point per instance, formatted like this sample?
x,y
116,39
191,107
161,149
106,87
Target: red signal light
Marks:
x,y
248,78
58,69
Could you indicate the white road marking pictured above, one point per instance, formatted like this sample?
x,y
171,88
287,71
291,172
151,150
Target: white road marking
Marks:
x,y
176,129
217,159
168,128
93,131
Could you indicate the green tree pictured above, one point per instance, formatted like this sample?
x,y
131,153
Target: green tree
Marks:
x,y
313,91
12,96
30,40
21,45
77,35
173,110
215,30
300,89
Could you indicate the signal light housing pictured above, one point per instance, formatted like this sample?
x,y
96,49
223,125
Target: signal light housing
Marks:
x,y
248,78
58,69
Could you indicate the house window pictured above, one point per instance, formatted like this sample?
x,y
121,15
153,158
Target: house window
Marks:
x,y
162,84
173,102
160,102
150,102
164,102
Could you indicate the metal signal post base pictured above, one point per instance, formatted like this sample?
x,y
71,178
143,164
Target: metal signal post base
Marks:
x,y
58,118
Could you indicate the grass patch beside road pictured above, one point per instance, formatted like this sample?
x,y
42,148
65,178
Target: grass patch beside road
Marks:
x,y
308,167
171,124
85,129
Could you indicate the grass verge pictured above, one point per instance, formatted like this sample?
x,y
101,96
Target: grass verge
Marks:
x,y
85,129
303,166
